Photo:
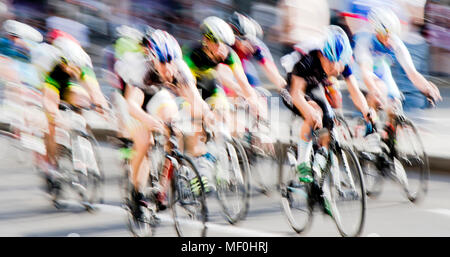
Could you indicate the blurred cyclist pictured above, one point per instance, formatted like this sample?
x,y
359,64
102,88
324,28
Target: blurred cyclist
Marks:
x,y
70,77
217,69
248,47
153,78
305,96
374,52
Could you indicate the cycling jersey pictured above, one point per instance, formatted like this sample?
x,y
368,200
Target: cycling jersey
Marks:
x,y
137,70
260,53
369,50
203,68
310,69
59,81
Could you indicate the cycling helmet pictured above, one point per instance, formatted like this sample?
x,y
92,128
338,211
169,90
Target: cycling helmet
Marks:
x,y
56,33
384,21
22,30
337,46
162,45
129,32
244,26
72,52
217,30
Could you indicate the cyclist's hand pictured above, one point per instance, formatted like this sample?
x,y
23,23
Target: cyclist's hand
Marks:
x,y
316,120
370,115
254,106
376,100
433,93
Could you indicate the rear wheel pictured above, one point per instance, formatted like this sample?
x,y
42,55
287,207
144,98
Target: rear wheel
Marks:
x,y
372,178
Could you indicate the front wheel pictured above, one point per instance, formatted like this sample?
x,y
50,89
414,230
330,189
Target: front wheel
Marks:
x,y
411,167
344,192
295,195
232,181
188,204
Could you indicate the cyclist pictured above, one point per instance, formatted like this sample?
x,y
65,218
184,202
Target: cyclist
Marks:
x,y
150,94
70,78
215,65
248,47
374,52
305,96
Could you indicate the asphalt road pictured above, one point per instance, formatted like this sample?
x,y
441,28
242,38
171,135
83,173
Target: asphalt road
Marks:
x,y
25,209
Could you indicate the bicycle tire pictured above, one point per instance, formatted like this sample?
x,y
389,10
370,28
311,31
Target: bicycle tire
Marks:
x,y
178,191
96,182
137,228
419,157
373,179
242,189
290,188
357,177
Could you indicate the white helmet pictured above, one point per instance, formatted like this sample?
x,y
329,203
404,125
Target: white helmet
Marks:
x,y
22,30
45,57
129,32
72,52
384,21
244,26
217,30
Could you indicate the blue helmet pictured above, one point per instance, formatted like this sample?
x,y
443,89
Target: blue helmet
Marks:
x,y
163,45
337,46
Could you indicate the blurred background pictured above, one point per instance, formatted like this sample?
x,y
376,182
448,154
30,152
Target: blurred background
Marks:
x,y
426,23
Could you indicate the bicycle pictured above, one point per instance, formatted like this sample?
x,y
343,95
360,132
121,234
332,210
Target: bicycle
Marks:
x,y
139,227
182,198
78,161
231,174
259,148
393,159
330,188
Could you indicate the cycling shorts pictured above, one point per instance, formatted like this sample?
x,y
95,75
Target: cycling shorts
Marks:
x,y
320,99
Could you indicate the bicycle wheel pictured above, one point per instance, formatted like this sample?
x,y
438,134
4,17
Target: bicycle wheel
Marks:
x,y
137,227
373,180
96,177
343,188
294,194
188,208
65,167
232,181
411,162
343,131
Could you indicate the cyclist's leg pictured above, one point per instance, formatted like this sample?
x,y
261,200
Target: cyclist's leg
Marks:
x,y
50,102
163,106
141,137
77,96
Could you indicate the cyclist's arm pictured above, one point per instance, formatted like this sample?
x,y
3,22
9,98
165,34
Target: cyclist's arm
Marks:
x,y
190,92
364,59
404,58
263,56
273,74
356,95
93,88
298,88
242,83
